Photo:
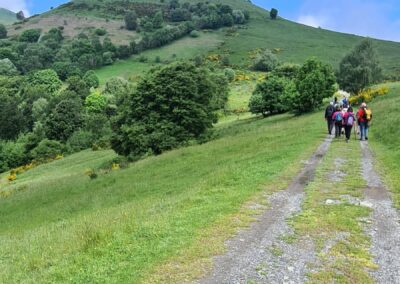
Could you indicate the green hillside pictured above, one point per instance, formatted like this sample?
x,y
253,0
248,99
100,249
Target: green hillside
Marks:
x,y
292,42
385,140
58,225
7,17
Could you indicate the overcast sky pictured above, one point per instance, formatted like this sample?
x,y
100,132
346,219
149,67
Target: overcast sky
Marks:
x,y
374,18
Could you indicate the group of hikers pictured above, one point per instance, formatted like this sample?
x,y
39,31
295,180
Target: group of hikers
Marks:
x,y
342,117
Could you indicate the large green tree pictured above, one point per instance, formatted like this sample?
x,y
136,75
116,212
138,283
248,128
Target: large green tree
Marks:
x,y
11,118
7,68
64,120
171,105
265,61
46,79
272,96
360,68
131,20
314,82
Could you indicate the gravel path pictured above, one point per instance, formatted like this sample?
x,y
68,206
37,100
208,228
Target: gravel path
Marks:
x,y
385,227
259,254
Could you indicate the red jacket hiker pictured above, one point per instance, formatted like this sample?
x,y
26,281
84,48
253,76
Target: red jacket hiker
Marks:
x,y
361,115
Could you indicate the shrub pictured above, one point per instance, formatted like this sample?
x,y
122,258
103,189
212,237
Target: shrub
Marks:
x,y
194,34
95,102
314,82
143,59
64,120
158,20
31,35
270,96
360,68
80,140
130,20
100,32
108,58
238,17
230,74
273,13
3,31
7,68
171,105
91,79
287,70
47,149
225,61
266,61
180,14
46,79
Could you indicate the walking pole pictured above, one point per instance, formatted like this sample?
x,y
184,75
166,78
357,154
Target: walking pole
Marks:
x,y
355,130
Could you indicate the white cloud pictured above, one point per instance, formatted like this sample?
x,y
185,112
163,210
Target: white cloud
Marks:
x,y
311,21
15,6
373,18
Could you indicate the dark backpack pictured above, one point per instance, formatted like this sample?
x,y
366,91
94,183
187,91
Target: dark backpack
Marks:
x,y
330,111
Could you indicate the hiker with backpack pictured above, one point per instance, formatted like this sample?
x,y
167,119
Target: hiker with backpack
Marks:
x,y
337,117
328,117
348,123
364,118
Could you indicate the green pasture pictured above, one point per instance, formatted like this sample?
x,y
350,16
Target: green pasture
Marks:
x,y
58,225
185,48
384,137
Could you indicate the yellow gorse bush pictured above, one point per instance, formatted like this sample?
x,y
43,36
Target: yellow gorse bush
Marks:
x,y
254,53
27,167
368,95
249,76
214,57
12,177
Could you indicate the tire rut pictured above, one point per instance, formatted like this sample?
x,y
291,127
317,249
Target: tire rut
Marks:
x,y
258,253
385,227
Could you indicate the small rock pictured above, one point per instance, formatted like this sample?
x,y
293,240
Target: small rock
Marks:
x,y
366,204
332,202
290,268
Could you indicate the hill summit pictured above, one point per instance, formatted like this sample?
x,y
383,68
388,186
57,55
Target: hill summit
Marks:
x,y
7,17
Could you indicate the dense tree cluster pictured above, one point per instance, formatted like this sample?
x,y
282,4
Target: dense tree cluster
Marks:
x,y
293,88
170,106
360,68
42,117
37,112
34,50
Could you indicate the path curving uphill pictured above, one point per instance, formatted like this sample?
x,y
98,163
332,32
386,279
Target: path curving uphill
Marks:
x,y
385,227
256,250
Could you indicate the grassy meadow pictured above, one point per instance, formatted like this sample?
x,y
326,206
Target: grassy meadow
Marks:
x,y
384,137
179,50
57,225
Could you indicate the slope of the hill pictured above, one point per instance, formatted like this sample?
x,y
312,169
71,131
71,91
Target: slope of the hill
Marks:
x,y
7,17
58,225
293,42
385,135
